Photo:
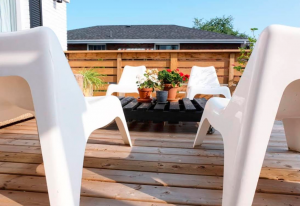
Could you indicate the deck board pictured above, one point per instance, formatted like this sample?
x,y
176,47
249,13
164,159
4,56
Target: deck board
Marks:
x,y
161,169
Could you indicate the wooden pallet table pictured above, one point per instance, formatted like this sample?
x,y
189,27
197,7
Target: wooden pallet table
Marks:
x,y
184,110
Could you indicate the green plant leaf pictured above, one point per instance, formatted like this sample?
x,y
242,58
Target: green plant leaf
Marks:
x,y
91,77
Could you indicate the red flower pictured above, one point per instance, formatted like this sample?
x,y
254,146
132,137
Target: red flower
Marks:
x,y
177,70
183,78
187,76
169,70
181,74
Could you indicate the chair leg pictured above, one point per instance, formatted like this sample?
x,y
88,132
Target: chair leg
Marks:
x,y
122,125
110,90
242,166
63,161
292,133
226,92
190,94
202,131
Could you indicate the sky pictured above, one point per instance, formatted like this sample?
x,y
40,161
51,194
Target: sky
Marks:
x,y
247,14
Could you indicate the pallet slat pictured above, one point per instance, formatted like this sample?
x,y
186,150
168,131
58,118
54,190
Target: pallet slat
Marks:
x,y
201,102
174,106
188,105
159,107
132,105
126,100
144,106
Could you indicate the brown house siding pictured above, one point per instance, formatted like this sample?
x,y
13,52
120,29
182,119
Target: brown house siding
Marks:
x,y
151,46
208,46
126,46
77,47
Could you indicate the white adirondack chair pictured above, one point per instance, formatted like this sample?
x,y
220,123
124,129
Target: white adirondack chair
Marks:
x,y
204,80
127,83
269,89
36,78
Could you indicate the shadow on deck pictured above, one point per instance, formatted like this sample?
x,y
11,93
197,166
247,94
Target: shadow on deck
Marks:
x,y
161,169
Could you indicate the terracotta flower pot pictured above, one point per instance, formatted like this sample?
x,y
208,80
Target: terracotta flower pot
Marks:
x,y
88,91
172,92
145,94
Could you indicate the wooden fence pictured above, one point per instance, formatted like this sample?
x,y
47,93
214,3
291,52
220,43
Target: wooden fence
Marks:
x,y
111,63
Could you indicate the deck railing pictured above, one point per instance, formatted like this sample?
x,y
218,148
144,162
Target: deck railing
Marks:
x,y
111,63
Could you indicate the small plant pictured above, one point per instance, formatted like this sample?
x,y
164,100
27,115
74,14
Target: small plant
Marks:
x,y
148,80
91,77
245,55
175,77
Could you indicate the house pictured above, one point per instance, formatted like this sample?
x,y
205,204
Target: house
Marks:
x,y
25,14
149,37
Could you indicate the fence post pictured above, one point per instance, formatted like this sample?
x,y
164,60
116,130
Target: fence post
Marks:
x,y
67,56
119,66
231,70
174,61
119,69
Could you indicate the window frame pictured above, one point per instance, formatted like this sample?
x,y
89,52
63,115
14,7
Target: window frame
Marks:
x,y
40,14
166,44
95,45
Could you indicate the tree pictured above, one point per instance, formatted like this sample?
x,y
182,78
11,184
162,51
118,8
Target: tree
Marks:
x,y
245,55
223,25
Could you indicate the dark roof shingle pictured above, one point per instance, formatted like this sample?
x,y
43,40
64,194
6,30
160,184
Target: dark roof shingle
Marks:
x,y
144,32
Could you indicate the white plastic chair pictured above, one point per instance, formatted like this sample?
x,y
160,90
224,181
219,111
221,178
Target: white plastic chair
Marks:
x,y
204,80
269,89
35,77
127,83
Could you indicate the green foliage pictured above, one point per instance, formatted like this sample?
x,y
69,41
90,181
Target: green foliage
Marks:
x,y
91,77
245,55
223,25
172,77
148,80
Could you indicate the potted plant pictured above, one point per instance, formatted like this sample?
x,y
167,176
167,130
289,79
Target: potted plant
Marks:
x,y
91,79
146,84
171,81
245,55
161,96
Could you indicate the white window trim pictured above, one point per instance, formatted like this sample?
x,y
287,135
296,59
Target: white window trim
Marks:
x,y
19,15
95,44
175,44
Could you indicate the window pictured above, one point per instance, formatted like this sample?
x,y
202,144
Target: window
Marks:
x,y
135,48
96,47
8,15
167,47
35,9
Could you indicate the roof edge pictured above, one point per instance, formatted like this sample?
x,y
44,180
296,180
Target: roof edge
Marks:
x,y
162,41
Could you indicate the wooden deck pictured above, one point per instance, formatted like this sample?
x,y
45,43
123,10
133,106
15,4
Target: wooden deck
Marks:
x,y
160,170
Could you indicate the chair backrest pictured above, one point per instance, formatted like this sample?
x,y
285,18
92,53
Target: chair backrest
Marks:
x,y
34,67
203,77
129,75
270,83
